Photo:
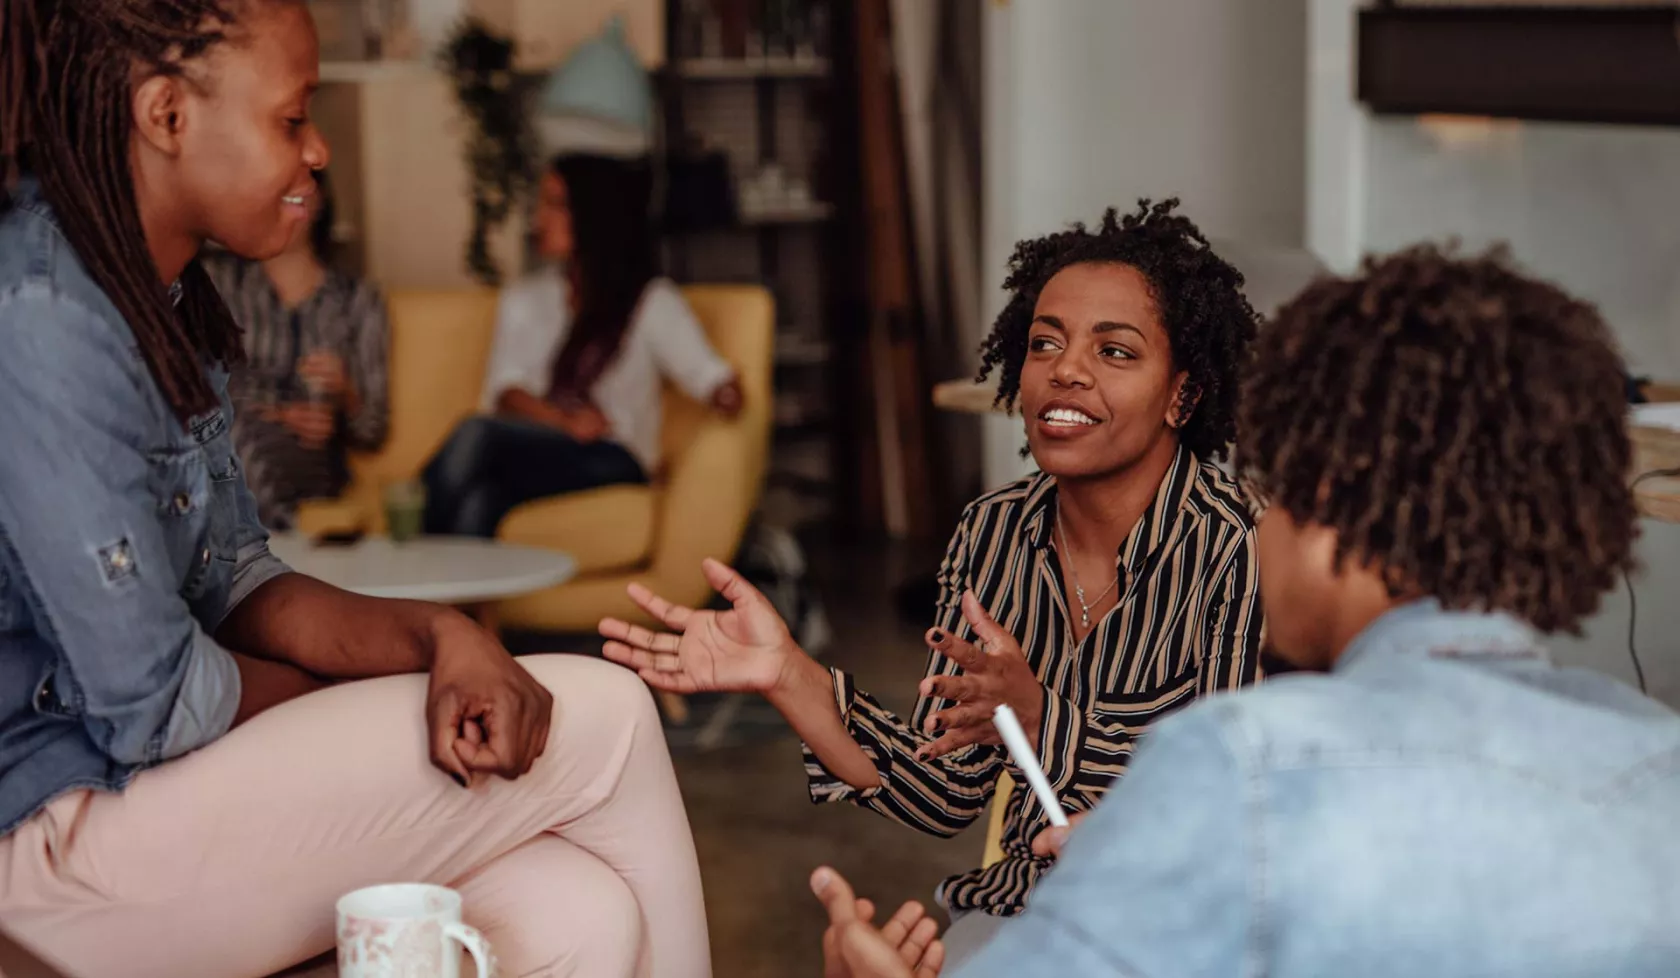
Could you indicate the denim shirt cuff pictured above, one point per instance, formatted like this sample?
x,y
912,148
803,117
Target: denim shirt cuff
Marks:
x,y
254,566
206,703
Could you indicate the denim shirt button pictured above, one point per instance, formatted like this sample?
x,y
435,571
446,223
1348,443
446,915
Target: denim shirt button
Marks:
x,y
44,695
182,502
204,558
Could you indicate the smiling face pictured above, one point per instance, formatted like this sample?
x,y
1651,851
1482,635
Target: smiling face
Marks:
x,y
1098,387
246,146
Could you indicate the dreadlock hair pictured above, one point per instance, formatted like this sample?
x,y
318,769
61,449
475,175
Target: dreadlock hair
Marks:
x,y
67,73
1460,426
1206,316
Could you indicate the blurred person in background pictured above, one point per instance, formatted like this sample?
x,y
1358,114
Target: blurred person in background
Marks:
x,y
573,393
313,384
1442,447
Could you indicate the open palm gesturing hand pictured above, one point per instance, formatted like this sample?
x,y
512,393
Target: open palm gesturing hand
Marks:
x,y
743,649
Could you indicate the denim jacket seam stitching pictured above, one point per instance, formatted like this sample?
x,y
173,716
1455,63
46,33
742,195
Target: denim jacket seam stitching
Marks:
x,y
1247,751
1640,773
49,632
1349,758
1259,933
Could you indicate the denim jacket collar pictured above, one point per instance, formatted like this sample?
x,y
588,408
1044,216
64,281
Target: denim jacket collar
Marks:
x,y
27,194
1425,628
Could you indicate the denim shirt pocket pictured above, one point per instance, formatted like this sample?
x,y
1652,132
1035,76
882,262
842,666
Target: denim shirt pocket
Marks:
x,y
223,466
219,555
191,483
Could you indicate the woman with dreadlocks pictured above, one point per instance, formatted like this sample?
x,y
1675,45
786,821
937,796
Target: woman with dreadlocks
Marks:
x,y
1095,597
142,617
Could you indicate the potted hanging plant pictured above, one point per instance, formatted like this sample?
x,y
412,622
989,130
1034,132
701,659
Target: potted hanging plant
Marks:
x,y
501,152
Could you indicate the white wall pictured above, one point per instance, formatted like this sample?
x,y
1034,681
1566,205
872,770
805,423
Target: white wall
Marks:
x,y
1091,103
1590,207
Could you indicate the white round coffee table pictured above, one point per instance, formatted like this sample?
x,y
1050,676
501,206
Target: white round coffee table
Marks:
x,y
448,570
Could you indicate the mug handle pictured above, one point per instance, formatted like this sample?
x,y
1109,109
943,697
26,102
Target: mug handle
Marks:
x,y
476,945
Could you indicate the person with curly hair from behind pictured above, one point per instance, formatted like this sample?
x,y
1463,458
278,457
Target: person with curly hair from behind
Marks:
x,y
1095,597
1442,446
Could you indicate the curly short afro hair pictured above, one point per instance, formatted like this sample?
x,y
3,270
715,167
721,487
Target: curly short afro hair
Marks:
x,y
1206,316
1460,426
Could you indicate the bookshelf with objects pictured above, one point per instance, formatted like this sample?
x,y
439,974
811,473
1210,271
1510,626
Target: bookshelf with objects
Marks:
x,y
753,194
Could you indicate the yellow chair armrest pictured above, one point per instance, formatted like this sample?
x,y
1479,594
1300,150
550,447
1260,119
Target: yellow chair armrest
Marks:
x,y
710,493
994,820
604,529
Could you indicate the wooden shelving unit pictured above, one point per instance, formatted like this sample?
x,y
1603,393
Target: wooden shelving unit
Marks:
x,y
771,106
746,69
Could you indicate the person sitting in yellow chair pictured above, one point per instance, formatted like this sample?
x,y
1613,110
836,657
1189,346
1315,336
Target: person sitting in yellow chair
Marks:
x,y
572,394
313,386
1113,587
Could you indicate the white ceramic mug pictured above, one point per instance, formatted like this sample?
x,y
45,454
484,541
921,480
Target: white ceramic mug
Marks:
x,y
407,930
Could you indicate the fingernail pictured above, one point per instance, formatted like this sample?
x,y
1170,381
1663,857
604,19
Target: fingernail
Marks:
x,y
938,635
820,880
459,778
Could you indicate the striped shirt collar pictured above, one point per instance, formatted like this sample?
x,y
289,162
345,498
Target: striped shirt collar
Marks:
x,y
1155,527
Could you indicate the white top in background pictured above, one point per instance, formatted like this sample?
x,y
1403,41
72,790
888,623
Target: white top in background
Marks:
x,y
665,340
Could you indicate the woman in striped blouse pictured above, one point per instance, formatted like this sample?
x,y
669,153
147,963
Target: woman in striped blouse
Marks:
x,y
313,384
1114,586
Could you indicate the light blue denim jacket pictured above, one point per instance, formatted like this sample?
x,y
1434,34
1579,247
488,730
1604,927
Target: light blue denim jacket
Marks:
x,y
1444,803
125,538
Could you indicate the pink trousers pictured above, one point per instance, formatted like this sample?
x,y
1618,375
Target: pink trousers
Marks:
x,y
227,862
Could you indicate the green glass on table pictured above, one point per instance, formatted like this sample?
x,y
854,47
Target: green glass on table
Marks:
x,y
405,508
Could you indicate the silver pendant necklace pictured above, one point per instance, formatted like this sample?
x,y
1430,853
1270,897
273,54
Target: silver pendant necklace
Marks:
x,y
1078,589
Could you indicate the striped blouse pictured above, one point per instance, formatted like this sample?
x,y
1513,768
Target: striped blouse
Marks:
x,y
345,317
1188,623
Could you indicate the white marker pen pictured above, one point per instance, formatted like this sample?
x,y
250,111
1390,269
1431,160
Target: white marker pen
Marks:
x,y
1015,739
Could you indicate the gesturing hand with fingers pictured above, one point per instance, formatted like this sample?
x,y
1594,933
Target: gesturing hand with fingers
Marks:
x,y
907,946
744,649
993,672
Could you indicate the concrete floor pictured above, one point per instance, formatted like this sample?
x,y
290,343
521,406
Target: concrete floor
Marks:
x,y
758,834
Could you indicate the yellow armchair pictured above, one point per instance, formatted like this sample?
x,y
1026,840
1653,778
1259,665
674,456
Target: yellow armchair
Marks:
x,y
994,820
698,506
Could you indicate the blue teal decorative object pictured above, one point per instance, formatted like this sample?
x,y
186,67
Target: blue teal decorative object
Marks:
x,y
600,91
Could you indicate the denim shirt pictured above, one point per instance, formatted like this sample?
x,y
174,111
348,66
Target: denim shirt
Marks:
x,y
1444,802
126,537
